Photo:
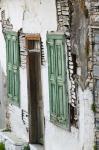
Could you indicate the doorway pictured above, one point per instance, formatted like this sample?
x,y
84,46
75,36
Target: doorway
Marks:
x,y
36,117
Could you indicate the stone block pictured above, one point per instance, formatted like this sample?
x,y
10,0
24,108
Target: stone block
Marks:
x,y
58,6
65,8
65,22
36,147
71,66
68,44
70,63
65,13
64,3
73,86
73,100
70,58
67,33
73,96
59,13
71,71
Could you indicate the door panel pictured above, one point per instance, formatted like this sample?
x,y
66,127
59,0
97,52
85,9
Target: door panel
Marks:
x,y
59,59
36,122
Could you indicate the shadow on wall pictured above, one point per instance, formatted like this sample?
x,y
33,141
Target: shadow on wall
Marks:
x,y
3,98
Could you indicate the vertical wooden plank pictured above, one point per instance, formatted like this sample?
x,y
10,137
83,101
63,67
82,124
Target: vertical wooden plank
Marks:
x,y
52,77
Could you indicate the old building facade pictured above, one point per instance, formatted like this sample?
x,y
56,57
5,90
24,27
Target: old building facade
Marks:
x,y
49,74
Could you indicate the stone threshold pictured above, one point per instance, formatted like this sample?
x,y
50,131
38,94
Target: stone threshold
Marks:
x,y
36,147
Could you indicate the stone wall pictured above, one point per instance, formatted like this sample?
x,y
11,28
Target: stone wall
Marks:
x,y
64,25
73,20
94,33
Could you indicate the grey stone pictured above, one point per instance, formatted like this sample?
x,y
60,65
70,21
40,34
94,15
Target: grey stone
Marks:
x,y
65,13
59,13
73,86
68,41
64,3
73,96
69,53
60,23
71,71
58,6
73,89
66,18
65,8
70,63
68,33
70,58
65,22
71,66
73,100
60,17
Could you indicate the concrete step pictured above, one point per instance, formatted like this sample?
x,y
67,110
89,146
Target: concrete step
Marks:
x,y
11,141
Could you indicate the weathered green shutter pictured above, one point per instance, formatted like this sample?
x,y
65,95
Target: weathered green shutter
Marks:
x,y
57,79
12,52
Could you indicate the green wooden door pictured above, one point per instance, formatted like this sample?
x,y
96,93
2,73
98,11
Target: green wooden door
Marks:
x,y
57,80
12,55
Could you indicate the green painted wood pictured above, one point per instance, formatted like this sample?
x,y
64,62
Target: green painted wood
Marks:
x,y
57,80
52,78
12,55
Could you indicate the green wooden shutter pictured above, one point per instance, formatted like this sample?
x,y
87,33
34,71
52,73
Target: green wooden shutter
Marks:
x,y
12,52
57,79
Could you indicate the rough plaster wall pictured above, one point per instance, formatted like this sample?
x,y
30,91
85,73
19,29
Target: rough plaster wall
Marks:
x,y
79,34
86,119
15,113
59,139
3,97
21,16
17,124
89,121
2,47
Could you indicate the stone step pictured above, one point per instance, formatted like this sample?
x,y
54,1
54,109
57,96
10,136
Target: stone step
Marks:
x,y
12,142
36,147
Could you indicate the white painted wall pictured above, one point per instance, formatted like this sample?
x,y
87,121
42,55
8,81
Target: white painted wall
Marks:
x,y
3,99
3,96
39,16
86,119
